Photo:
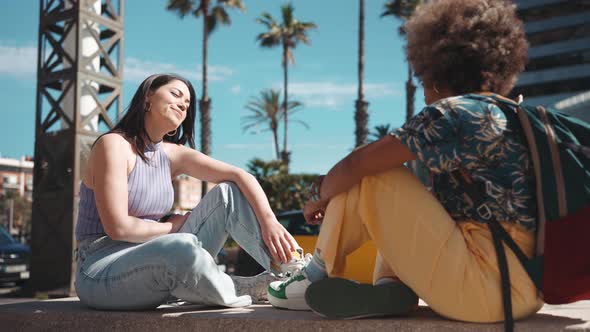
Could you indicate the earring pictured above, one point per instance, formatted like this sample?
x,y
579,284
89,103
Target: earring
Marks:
x,y
149,107
172,133
435,89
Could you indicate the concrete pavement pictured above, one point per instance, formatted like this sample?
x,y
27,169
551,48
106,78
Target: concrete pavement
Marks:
x,y
70,315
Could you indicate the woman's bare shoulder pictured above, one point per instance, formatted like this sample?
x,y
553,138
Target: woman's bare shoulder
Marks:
x,y
176,150
112,141
112,146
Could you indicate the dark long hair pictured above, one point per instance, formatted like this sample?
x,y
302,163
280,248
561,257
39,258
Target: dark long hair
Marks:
x,y
132,125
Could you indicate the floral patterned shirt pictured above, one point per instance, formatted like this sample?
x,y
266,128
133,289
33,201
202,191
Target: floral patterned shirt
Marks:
x,y
471,132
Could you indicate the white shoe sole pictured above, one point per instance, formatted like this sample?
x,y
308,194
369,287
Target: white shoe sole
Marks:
x,y
297,303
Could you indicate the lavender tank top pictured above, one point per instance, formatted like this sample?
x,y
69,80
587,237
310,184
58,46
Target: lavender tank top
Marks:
x,y
150,194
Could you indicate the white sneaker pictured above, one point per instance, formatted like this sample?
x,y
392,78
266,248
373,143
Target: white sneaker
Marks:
x,y
290,294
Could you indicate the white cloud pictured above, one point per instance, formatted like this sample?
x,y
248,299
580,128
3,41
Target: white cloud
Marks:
x,y
22,63
136,70
18,61
236,89
376,90
324,88
332,95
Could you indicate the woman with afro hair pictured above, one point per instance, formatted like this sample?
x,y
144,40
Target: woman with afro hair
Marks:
x,y
433,245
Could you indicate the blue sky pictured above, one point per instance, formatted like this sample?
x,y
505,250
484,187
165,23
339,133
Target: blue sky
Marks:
x,y
324,77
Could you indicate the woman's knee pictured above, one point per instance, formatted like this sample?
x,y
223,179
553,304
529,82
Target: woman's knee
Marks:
x,y
179,241
229,190
187,259
228,185
180,248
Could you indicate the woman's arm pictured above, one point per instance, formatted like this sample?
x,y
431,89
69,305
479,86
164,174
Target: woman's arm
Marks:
x,y
198,165
109,168
370,159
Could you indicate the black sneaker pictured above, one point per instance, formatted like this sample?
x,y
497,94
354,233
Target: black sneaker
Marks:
x,y
338,298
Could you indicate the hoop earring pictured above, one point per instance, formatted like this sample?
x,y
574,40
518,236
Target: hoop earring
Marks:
x,y
149,107
435,89
172,133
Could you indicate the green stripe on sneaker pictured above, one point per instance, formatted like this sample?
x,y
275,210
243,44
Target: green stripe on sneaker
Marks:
x,y
280,293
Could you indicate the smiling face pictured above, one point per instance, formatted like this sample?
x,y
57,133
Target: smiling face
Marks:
x,y
168,105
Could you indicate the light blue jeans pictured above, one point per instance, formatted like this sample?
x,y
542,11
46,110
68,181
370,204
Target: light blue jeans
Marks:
x,y
117,275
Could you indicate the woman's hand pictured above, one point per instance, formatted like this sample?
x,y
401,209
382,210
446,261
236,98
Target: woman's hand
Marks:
x,y
314,211
177,221
278,241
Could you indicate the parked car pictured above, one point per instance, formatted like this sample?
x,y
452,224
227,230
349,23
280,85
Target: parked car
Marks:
x,y
14,260
359,264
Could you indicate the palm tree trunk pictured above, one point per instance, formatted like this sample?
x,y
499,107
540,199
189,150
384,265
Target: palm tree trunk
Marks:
x,y
361,116
410,94
205,102
361,60
285,155
275,140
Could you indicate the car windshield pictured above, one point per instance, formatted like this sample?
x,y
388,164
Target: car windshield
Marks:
x,y
5,238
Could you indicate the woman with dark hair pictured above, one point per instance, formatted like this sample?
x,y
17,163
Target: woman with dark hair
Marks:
x,y
468,54
131,253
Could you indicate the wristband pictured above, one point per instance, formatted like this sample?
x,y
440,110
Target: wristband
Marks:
x,y
314,189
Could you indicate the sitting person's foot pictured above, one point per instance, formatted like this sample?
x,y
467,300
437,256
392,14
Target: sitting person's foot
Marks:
x,y
254,286
338,298
297,262
290,293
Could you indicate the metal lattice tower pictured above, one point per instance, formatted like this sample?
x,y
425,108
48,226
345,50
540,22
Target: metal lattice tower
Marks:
x,y
79,96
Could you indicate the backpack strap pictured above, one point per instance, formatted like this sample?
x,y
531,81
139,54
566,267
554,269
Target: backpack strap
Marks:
x,y
504,276
474,192
519,117
499,235
555,159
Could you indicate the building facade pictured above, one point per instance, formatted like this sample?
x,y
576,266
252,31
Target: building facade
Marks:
x,y
16,177
16,183
187,192
558,71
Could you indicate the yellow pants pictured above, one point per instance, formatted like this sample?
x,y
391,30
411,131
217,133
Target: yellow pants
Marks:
x,y
451,265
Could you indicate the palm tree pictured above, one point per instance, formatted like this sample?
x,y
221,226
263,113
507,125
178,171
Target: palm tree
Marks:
x,y
267,109
381,131
403,9
212,17
286,34
265,169
361,116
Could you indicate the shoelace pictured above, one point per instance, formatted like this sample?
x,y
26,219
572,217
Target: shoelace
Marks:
x,y
295,267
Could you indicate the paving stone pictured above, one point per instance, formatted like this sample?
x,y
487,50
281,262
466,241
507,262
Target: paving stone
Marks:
x,y
70,315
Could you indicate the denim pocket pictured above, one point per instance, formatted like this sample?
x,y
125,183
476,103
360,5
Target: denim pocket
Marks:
x,y
88,247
